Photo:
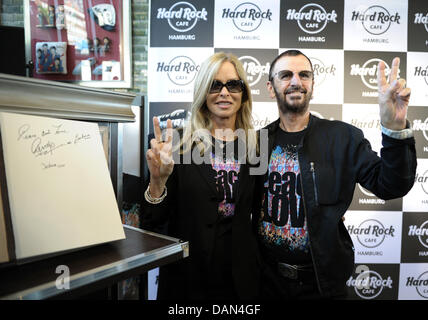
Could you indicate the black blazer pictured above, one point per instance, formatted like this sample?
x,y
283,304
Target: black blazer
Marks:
x,y
190,213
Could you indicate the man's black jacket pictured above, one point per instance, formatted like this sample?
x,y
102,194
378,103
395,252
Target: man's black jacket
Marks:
x,y
341,157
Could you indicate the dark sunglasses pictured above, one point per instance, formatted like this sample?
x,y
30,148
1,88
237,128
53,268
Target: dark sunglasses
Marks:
x,y
232,86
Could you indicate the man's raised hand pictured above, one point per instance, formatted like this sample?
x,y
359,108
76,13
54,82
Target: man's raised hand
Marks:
x,y
393,97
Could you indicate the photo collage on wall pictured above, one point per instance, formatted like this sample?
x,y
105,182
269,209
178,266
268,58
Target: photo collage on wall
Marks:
x,y
345,40
76,40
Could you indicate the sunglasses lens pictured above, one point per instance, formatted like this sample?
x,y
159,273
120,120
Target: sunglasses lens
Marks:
x,y
216,86
234,86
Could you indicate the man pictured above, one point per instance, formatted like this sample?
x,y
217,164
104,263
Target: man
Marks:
x,y
314,165
53,65
45,58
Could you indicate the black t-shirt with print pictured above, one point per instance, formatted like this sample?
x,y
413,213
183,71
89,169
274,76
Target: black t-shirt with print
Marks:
x,y
283,228
227,168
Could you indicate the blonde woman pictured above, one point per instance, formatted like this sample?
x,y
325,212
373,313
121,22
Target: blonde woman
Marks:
x,y
208,204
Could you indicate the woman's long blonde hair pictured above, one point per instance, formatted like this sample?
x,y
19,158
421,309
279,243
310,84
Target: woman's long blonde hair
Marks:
x,y
198,127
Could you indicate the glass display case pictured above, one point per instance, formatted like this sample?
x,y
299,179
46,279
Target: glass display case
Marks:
x,y
81,41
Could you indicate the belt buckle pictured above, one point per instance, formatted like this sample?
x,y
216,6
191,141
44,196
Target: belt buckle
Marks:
x,y
287,270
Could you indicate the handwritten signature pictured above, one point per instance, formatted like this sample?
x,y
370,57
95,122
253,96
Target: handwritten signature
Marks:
x,y
41,147
80,137
52,165
58,129
22,132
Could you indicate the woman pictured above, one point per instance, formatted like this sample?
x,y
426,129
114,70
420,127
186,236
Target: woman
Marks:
x,y
208,204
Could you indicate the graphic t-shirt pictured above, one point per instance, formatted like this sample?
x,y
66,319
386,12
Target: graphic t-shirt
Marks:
x,y
227,168
283,228
227,171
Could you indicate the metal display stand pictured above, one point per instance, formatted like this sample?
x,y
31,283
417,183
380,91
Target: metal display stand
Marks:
x,y
93,268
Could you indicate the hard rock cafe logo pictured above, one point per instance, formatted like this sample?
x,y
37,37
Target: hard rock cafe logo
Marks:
x,y
247,16
311,18
182,16
420,18
371,232
321,71
181,70
423,180
261,120
421,72
177,117
421,232
421,284
370,121
369,284
419,125
254,69
368,72
376,20
372,198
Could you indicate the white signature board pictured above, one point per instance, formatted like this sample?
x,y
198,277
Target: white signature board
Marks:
x,y
60,192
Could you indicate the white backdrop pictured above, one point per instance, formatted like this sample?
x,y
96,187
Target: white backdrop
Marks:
x,y
345,39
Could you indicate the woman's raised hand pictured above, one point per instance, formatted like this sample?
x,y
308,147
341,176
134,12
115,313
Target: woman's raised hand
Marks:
x,y
159,158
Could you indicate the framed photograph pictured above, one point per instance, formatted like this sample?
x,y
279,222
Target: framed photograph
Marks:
x,y
80,41
51,57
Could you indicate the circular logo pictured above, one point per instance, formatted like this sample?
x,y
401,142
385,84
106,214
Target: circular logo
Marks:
x,y
182,70
182,16
365,191
426,77
426,26
319,71
376,21
369,284
422,288
425,129
309,23
249,17
424,186
369,74
372,233
423,238
253,69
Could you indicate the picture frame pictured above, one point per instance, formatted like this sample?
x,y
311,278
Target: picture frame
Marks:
x,y
96,35
51,57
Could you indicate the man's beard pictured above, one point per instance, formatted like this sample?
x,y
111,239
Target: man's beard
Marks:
x,y
295,108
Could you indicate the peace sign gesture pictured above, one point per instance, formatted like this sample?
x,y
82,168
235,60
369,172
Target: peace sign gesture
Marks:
x,y
393,97
159,158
